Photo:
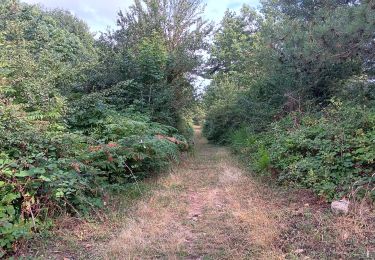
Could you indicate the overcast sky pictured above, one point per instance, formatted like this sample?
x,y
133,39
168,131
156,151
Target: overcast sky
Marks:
x,y
99,14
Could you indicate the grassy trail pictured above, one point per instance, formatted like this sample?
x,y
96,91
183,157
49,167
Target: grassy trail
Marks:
x,y
209,207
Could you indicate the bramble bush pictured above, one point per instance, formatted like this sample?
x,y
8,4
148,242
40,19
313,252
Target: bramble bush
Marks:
x,y
292,91
44,173
48,167
331,152
80,116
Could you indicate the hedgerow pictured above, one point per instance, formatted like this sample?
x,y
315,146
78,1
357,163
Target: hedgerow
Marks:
x,y
80,116
45,173
333,153
292,92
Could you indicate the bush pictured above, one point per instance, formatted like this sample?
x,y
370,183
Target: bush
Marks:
x,y
44,171
332,153
80,115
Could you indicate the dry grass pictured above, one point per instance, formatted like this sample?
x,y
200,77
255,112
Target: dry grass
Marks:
x,y
312,232
209,208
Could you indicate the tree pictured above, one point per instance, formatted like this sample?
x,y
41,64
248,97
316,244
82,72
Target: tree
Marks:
x,y
234,41
160,45
330,45
46,56
296,56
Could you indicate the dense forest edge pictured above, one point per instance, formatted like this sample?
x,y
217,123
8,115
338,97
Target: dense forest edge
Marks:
x,y
292,92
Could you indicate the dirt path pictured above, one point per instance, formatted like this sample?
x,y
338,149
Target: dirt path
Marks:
x,y
208,209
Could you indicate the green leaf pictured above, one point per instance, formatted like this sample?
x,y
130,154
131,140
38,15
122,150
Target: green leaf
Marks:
x,y
44,178
22,174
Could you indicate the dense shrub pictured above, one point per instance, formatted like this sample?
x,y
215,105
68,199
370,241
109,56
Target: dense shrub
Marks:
x,y
332,153
277,78
44,172
79,116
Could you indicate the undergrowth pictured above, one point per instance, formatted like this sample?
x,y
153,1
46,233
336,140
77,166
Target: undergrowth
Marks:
x,y
331,152
47,173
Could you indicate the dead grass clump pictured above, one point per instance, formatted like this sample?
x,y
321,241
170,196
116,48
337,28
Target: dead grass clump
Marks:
x,y
258,215
313,231
153,229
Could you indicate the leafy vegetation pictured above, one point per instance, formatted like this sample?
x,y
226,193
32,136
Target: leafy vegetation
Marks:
x,y
292,92
326,154
79,116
